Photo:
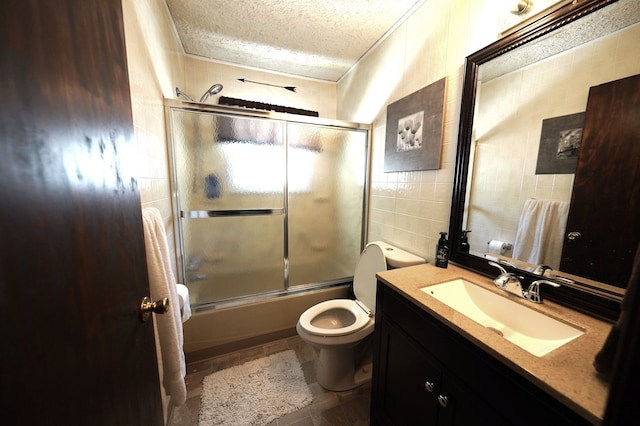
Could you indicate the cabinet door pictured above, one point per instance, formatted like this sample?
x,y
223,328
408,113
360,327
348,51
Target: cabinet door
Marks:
x,y
410,381
459,406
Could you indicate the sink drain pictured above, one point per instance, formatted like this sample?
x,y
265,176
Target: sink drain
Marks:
x,y
495,330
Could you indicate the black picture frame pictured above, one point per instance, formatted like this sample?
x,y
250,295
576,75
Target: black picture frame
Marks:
x,y
559,144
414,130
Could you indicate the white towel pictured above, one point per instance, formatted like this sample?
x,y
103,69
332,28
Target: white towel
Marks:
x,y
540,233
185,304
169,325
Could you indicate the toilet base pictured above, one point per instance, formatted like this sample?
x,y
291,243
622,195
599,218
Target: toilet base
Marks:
x,y
336,370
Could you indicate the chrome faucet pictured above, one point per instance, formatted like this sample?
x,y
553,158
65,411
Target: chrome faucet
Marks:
x,y
510,282
533,292
541,269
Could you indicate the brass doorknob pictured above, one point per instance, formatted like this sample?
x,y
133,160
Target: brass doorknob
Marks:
x,y
574,236
147,306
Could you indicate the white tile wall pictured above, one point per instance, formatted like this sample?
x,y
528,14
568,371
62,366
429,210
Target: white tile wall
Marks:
x,y
408,209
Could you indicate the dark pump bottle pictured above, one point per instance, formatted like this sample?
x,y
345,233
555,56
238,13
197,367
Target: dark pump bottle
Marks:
x,y
442,251
464,242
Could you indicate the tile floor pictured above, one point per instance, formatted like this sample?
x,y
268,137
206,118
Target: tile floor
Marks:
x,y
328,408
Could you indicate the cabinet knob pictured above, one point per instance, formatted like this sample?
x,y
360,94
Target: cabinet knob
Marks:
x,y
429,386
443,400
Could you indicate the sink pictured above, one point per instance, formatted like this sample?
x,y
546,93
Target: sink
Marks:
x,y
531,330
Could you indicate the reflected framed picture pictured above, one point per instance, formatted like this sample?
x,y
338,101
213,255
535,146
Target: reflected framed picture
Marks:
x,y
559,144
414,130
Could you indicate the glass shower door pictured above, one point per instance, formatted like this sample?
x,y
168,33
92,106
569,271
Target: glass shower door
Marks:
x,y
326,176
230,177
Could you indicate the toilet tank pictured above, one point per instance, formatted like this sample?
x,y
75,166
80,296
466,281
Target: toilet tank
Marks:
x,y
396,257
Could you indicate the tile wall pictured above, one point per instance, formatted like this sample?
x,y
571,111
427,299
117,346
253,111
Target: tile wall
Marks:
x,y
408,209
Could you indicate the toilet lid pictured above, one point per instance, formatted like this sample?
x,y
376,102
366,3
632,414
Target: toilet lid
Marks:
x,y
371,261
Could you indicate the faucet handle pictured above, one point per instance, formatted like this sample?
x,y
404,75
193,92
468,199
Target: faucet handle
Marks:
x,y
541,269
505,278
497,265
533,292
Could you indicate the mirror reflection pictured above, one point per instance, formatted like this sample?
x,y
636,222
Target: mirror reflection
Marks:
x,y
535,110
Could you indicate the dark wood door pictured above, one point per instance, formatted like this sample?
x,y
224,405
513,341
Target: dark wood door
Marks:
x,y
605,204
73,350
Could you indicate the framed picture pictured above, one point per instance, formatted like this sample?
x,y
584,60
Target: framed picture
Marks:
x,y
559,144
414,130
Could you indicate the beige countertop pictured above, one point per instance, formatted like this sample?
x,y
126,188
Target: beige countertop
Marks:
x,y
566,373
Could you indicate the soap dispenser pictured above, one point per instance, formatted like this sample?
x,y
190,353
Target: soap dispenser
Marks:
x,y
442,251
464,242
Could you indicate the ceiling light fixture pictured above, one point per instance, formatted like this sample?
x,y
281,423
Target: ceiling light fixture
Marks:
x,y
521,7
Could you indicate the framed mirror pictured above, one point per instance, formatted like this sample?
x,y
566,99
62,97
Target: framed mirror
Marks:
x,y
526,116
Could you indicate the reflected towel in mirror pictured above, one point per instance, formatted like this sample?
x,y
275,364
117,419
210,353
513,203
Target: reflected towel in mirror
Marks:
x,y
540,232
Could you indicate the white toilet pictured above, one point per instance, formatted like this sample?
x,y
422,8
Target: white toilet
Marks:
x,y
337,327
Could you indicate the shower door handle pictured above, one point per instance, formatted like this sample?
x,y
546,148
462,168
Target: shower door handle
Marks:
x,y
147,307
203,214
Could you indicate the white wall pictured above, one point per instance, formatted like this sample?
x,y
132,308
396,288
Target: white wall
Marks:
x,y
408,209
314,95
155,62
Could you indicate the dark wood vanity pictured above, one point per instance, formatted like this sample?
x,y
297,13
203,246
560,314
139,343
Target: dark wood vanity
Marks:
x,y
433,367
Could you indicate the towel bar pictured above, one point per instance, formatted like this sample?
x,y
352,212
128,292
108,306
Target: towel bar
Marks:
x,y
202,214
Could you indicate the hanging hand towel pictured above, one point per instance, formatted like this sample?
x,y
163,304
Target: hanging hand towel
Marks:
x,y
540,232
169,325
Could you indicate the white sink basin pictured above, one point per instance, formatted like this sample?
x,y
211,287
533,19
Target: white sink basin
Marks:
x,y
533,331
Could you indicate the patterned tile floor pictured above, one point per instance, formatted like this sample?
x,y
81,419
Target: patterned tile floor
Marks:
x,y
349,408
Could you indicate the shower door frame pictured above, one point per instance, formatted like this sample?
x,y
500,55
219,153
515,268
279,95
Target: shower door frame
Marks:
x,y
178,214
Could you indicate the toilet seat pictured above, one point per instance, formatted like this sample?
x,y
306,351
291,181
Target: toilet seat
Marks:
x,y
372,260
361,319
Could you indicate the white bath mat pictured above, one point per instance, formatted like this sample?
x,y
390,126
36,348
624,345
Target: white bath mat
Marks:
x,y
254,393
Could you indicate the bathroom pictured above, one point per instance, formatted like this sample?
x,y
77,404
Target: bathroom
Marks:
x,y
405,209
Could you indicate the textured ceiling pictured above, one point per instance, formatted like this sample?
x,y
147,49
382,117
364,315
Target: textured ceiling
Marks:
x,y
605,21
319,39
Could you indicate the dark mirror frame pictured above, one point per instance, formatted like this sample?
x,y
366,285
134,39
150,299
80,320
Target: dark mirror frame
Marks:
x,y
583,297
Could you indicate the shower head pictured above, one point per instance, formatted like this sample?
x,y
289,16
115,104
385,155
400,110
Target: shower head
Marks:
x,y
216,88
181,93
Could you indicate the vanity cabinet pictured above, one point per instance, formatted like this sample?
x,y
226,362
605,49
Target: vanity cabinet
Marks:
x,y
419,390
425,373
